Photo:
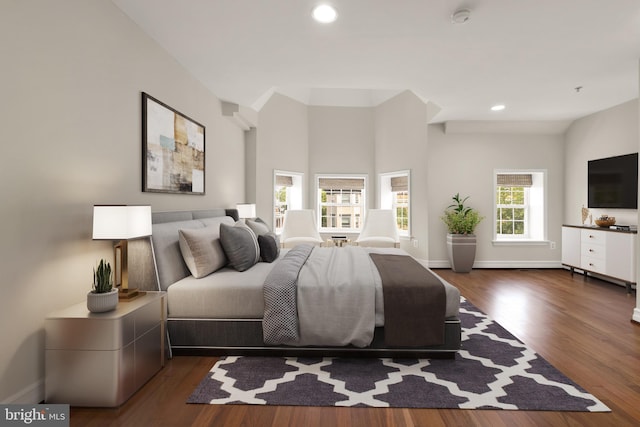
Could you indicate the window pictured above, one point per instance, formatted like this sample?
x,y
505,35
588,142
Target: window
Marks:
x,y
395,195
512,210
341,202
287,195
520,206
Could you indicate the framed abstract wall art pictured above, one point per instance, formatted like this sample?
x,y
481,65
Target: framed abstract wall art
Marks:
x,y
173,150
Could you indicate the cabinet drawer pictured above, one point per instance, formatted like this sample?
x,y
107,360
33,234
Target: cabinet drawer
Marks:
x,y
95,333
148,358
595,265
595,237
148,317
591,250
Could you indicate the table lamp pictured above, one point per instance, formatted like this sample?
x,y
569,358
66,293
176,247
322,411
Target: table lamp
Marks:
x,y
246,210
121,222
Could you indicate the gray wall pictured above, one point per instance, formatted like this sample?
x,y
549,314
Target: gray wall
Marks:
x,y
72,73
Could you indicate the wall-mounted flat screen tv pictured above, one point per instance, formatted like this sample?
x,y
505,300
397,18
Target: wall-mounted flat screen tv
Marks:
x,y
613,182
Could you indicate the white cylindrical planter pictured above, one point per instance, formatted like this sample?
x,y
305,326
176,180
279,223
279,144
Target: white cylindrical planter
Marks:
x,y
461,249
99,303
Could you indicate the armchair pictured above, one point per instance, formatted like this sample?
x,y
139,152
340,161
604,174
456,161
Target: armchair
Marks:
x,y
299,227
379,230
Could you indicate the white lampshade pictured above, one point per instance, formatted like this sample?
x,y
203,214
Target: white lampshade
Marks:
x,y
246,210
120,222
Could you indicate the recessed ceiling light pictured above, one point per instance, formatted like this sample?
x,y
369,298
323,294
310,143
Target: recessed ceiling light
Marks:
x,y
324,13
498,107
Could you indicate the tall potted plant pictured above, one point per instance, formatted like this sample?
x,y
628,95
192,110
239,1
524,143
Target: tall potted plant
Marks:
x,y
103,297
461,222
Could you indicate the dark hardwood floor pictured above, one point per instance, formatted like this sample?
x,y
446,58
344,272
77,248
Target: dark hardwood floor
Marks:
x,y
582,327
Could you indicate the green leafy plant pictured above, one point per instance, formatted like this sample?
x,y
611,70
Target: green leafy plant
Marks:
x,y
461,219
102,278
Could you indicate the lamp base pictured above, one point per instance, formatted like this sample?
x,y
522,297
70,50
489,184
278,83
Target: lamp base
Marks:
x,y
129,294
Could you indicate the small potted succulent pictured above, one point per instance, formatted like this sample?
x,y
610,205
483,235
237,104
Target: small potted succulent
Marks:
x,y
103,297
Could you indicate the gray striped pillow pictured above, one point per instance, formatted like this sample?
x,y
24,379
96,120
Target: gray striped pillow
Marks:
x,y
240,244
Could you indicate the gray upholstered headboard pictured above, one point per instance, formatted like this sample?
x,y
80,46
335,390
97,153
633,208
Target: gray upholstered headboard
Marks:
x,y
173,216
162,264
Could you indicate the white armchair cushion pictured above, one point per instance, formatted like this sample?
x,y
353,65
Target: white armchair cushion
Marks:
x,y
379,230
299,227
377,242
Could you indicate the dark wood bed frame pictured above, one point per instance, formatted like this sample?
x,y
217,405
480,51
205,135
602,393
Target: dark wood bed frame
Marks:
x,y
244,336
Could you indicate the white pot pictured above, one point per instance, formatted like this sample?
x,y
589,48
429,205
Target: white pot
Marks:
x,y
99,303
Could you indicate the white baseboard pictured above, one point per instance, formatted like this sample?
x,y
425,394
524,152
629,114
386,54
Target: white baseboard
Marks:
x,y
501,264
32,394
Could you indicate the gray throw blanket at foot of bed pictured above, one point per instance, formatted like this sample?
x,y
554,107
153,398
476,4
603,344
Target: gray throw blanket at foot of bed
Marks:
x,y
280,322
329,293
414,302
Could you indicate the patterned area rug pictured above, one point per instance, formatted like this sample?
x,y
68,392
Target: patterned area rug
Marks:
x,y
493,370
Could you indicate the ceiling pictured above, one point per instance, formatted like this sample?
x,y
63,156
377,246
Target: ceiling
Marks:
x,y
543,59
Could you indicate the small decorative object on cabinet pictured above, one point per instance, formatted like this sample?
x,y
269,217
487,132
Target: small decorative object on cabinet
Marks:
x,y
101,359
585,214
605,221
461,222
103,297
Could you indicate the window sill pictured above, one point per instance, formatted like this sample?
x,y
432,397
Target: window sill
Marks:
x,y
522,242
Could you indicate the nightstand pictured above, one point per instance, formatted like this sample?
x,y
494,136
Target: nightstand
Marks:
x,y
101,359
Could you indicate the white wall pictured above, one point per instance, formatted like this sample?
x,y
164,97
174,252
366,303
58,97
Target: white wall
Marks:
x,y
636,311
395,136
72,73
464,163
282,143
341,141
401,144
358,140
611,132
607,133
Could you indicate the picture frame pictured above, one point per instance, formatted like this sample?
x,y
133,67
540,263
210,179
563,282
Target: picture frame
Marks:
x,y
173,150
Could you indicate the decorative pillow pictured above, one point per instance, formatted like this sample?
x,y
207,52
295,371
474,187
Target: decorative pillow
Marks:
x,y
258,226
269,247
240,245
201,250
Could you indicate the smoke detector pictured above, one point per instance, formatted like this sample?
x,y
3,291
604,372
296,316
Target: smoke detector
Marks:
x,y
460,16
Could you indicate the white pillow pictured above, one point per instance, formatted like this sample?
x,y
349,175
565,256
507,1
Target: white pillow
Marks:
x,y
201,250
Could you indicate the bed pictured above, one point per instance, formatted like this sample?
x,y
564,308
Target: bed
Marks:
x,y
225,312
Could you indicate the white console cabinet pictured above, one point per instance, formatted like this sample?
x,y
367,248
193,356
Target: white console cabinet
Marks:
x,y
610,253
